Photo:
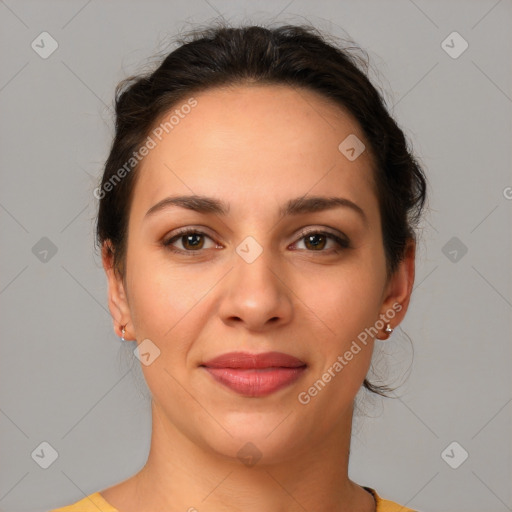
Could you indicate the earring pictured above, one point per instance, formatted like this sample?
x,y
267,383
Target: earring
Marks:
x,y
122,333
388,330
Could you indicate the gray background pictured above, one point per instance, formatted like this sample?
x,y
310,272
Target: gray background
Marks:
x,y
65,377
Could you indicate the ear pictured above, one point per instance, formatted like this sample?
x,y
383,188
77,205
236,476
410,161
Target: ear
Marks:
x,y
397,294
117,299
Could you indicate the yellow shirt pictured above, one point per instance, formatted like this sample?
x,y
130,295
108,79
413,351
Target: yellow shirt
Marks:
x,y
96,503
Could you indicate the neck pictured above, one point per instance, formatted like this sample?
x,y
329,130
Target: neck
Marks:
x,y
183,475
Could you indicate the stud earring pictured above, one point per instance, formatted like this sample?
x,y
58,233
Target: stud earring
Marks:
x,y
388,330
122,333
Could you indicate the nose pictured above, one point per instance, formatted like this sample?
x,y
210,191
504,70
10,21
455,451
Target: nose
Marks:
x,y
256,295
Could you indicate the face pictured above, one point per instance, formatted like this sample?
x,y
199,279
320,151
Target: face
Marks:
x,y
270,274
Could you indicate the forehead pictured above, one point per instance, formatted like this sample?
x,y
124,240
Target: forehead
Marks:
x,y
254,142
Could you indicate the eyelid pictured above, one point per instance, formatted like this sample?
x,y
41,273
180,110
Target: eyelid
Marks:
x,y
322,230
180,232
339,238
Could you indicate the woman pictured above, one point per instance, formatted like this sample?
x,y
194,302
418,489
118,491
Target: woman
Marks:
x,y
257,225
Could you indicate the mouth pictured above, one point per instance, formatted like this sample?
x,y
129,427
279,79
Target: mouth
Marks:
x,y
255,375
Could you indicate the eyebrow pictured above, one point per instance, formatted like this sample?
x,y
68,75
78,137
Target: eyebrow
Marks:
x,y
297,206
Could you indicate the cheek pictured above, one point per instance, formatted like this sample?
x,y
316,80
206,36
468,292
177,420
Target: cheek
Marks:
x,y
344,301
162,295
346,306
341,306
165,306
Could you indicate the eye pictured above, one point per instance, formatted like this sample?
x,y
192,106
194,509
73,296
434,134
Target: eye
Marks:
x,y
315,241
191,241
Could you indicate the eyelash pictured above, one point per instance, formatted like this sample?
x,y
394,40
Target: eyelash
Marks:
x,y
342,243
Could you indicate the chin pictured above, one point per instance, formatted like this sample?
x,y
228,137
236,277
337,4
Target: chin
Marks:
x,y
258,441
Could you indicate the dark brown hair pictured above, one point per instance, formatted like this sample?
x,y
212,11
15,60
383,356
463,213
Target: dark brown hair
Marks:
x,y
298,56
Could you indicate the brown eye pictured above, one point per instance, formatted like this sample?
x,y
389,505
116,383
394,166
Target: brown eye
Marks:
x,y
191,241
317,241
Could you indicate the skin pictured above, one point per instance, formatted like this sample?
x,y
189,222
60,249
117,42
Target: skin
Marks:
x,y
255,147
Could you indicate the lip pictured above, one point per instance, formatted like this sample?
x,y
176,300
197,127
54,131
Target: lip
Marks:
x,y
245,360
255,375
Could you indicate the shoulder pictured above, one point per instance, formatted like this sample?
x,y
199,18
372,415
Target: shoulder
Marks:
x,y
92,503
383,505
